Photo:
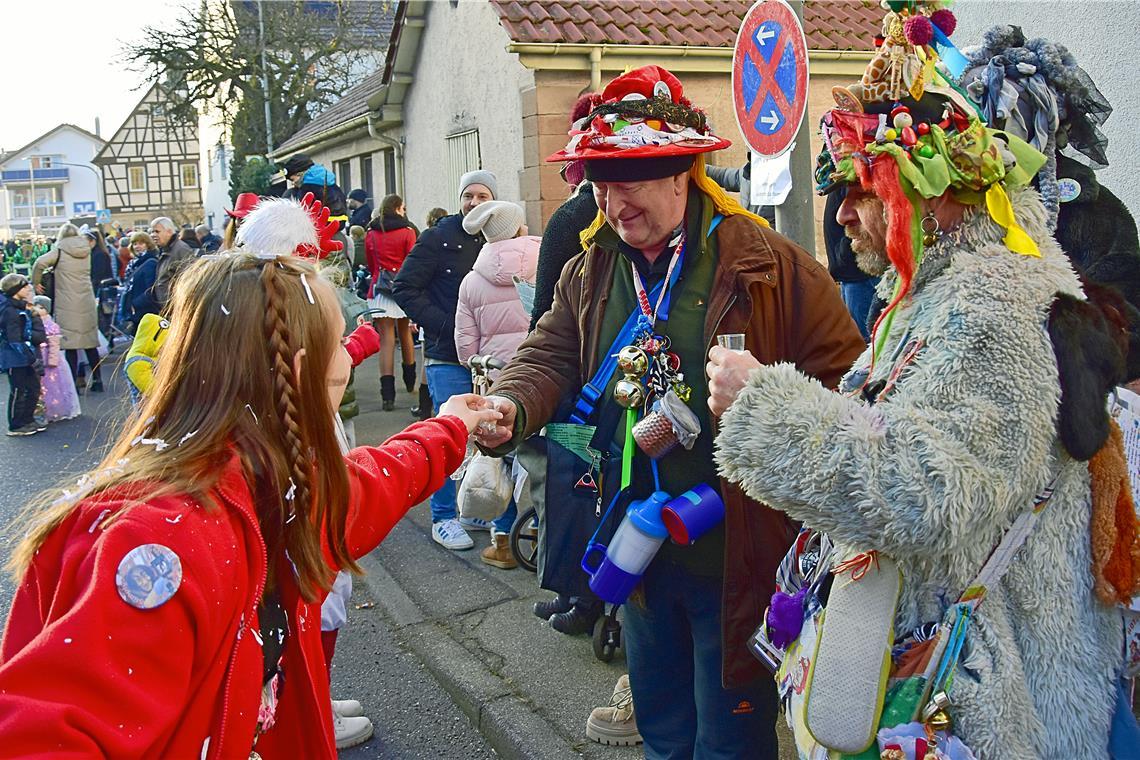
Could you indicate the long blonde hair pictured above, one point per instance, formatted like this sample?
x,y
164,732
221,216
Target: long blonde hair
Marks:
x,y
226,386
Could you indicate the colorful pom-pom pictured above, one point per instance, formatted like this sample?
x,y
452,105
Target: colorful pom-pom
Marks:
x,y
918,30
945,20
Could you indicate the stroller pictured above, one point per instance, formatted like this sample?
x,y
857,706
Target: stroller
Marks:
x,y
108,293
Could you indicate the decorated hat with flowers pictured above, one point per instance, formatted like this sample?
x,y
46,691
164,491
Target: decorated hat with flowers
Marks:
x,y
643,114
906,133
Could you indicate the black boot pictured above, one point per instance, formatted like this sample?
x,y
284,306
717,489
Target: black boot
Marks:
x,y
388,391
580,618
424,410
410,376
551,607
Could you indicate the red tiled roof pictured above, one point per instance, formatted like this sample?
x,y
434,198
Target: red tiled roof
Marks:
x,y
828,24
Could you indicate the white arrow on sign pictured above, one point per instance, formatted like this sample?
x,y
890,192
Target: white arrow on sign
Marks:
x,y
764,34
770,121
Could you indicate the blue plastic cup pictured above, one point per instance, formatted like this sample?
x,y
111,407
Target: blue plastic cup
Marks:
x,y
693,514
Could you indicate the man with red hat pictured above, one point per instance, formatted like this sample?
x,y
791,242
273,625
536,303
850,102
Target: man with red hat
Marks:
x,y
669,264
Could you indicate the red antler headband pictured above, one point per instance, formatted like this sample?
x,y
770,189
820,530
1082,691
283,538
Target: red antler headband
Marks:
x,y
319,213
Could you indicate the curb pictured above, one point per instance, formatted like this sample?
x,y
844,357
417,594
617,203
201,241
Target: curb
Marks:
x,y
508,723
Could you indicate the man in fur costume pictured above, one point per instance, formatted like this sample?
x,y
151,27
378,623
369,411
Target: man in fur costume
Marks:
x,y
945,429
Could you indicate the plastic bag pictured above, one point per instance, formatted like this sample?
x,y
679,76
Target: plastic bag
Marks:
x,y
486,488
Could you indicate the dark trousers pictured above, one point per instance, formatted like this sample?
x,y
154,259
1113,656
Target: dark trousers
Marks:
x,y
72,355
23,393
673,649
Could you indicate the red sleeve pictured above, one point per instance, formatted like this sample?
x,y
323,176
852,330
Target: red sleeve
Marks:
x,y
98,677
362,343
388,480
408,244
372,252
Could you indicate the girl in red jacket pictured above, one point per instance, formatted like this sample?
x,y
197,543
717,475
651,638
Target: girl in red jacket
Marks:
x,y
169,605
389,239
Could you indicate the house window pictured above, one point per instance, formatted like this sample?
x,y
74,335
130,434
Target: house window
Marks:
x,y
343,172
388,156
141,224
366,175
136,178
43,162
462,157
189,175
49,203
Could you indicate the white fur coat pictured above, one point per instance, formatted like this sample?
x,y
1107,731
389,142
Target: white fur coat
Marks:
x,y
934,473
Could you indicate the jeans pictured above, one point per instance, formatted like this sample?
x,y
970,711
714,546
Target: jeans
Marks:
x,y
673,649
23,393
858,297
445,381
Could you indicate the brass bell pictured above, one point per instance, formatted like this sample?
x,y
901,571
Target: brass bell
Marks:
x,y
939,721
632,361
629,394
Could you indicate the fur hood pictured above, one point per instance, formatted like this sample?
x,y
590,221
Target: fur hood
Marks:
x,y
940,465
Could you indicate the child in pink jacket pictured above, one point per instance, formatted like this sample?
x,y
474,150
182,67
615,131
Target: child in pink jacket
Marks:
x,y
490,318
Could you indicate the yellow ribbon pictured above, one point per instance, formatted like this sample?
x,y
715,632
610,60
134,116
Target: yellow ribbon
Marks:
x,y
1001,211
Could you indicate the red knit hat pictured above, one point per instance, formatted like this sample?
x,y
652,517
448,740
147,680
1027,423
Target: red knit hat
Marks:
x,y
643,114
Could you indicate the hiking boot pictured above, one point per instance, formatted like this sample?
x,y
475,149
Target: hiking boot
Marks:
x,y
580,619
498,554
474,523
616,723
29,429
450,535
388,392
351,731
347,708
410,376
551,607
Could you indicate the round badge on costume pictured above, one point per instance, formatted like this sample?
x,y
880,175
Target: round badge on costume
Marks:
x,y
148,576
1068,189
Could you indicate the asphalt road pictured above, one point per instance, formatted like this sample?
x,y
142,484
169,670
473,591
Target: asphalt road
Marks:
x,y
412,715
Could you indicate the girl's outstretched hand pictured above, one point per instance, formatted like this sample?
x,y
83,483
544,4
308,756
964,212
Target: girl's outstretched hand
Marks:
x,y
473,409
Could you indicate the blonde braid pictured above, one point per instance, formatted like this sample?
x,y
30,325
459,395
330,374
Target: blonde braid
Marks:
x,y
285,387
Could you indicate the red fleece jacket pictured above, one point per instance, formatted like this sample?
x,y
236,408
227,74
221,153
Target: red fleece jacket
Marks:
x,y
84,674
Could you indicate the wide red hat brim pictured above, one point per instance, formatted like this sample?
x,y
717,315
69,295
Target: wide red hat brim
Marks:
x,y
643,151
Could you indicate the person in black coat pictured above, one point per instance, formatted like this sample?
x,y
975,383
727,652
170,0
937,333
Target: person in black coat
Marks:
x,y
427,289
856,286
360,209
560,243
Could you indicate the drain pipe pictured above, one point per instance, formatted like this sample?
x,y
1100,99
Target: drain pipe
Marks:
x,y
595,69
398,152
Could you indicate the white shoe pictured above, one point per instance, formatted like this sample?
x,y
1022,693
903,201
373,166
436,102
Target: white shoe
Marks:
x,y
347,708
351,731
450,535
474,523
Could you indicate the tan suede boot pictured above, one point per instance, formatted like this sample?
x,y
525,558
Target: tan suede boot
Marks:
x,y
498,554
615,724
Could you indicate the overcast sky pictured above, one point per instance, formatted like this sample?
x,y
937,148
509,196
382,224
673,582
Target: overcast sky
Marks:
x,y
61,63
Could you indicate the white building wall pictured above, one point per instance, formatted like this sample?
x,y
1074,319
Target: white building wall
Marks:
x,y
81,189
1100,35
460,85
215,156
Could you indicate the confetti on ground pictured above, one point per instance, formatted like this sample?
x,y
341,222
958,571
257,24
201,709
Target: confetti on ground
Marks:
x,y
365,605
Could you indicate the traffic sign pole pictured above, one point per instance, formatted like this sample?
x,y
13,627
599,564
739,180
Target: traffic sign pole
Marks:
x,y
795,217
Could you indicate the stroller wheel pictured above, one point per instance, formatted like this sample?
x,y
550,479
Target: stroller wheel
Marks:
x,y
607,636
524,540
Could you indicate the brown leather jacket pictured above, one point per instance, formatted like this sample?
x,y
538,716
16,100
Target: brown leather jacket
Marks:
x,y
789,309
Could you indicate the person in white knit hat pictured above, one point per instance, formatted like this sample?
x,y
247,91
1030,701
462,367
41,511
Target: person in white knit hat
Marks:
x,y
490,320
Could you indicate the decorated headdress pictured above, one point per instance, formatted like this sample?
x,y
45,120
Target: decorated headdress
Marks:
x,y
642,128
1034,89
281,225
906,133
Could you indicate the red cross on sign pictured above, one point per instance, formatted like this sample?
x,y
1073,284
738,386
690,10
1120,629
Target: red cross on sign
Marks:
x,y
770,77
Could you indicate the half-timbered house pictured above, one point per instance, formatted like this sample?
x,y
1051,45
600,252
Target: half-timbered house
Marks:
x,y
150,165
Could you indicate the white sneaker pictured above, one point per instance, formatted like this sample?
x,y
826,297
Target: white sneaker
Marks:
x,y
347,708
474,523
450,535
351,731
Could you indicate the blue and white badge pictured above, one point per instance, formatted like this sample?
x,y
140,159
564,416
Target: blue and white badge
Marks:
x,y
148,576
1068,189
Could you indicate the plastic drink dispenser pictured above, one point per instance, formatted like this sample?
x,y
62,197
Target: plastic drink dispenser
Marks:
x,y
630,551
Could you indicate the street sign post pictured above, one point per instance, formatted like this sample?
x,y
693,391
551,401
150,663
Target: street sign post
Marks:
x,y
770,77
103,216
